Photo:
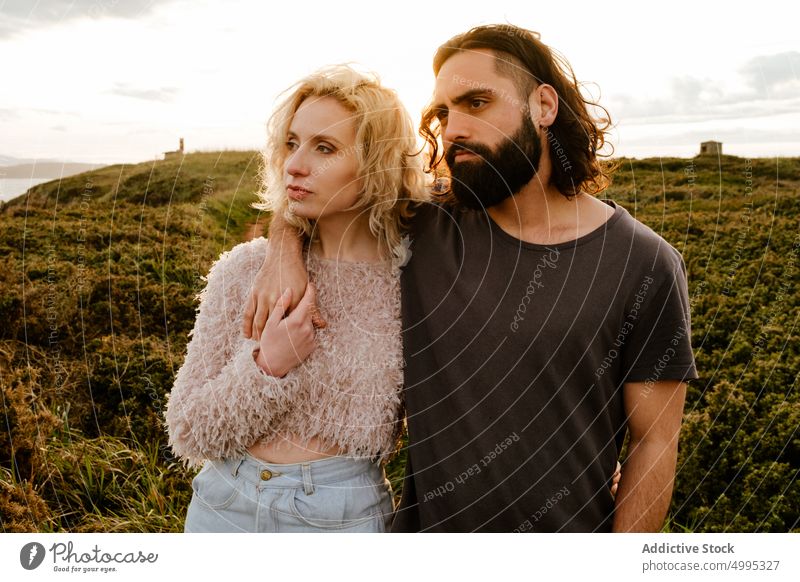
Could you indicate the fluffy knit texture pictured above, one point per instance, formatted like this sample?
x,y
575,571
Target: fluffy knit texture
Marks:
x,y
347,393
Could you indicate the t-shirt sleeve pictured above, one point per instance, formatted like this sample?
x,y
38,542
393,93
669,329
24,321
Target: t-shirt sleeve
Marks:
x,y
659,346
425,215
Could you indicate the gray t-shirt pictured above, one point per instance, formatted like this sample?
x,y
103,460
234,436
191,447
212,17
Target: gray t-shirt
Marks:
x,y
516,355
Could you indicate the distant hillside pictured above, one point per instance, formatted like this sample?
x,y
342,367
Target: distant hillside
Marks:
x,y
45,170
155,182
224,182
12,161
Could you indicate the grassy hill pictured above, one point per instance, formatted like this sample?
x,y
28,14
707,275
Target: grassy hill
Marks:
x,y
224,181
98,277
737,223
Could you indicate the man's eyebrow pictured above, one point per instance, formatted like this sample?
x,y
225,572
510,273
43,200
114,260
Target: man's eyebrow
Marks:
x,y
466,96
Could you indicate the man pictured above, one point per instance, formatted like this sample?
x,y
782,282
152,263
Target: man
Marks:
x,y
540,323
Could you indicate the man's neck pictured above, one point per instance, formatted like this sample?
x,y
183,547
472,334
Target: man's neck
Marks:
x,y
540,214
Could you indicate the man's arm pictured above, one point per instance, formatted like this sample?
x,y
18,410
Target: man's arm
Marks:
x,y
654,419
283,268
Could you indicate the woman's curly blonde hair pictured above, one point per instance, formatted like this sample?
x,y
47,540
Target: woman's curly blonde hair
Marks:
x,y
389,160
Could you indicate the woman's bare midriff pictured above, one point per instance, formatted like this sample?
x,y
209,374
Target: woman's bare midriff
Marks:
x,y
290,449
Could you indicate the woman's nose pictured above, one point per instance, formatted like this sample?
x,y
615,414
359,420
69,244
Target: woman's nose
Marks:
x,y
296,163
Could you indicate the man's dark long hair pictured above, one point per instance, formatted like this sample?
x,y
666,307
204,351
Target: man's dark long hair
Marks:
x,y
575,136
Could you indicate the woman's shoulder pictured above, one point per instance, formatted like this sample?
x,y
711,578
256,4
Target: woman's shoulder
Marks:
x,y
242,259
231,275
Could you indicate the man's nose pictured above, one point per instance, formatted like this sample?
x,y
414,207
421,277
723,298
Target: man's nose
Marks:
x,y
456,128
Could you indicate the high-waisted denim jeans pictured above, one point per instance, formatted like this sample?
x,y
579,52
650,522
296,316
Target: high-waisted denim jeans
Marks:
x,y
245,494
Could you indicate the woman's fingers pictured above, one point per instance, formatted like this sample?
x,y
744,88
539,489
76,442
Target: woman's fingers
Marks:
x,y
309,298
615,479
280,307
308,306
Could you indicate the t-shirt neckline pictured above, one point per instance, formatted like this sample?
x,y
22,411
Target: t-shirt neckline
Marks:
x,y
619,211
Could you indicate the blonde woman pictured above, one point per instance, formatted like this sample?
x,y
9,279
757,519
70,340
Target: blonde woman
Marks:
x,y
292,429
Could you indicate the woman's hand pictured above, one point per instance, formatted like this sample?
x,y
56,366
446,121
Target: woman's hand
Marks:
x,y
280,270
287,341
615,480
283,268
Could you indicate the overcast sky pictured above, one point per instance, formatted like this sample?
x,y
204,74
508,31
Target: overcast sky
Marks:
x,y
121,80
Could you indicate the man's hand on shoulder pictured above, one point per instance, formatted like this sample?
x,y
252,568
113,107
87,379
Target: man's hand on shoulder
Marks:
x,y
283,268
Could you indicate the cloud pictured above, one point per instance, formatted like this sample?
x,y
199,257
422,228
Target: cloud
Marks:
x,y
728,136
161,94
683,140
768,85
24,15
769,72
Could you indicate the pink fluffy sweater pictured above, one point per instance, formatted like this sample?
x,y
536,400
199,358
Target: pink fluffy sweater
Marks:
x,y
348,391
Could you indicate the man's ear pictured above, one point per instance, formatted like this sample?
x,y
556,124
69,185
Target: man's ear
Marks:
x,y
543,105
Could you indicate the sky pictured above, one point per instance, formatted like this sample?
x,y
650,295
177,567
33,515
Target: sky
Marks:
x,y
108,81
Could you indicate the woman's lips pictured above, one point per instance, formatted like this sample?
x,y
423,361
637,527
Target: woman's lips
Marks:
x,y
297,193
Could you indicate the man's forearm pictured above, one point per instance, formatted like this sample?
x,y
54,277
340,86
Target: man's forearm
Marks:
x,y
645,489
284,239
282,268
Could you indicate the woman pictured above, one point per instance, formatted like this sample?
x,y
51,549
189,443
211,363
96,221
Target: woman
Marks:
x,y
292,429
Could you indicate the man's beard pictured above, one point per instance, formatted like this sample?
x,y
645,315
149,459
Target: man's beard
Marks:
x,y
494,175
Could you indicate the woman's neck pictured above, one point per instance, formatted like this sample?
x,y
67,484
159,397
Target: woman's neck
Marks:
x,y
346,237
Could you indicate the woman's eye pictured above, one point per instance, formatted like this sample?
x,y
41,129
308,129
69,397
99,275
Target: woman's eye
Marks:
x,y
290,145
324,149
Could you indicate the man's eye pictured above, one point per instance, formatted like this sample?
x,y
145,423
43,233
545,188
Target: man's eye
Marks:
x,y
477,103
441,114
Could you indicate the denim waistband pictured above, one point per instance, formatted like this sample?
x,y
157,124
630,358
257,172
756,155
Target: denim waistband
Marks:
x,y
295,475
